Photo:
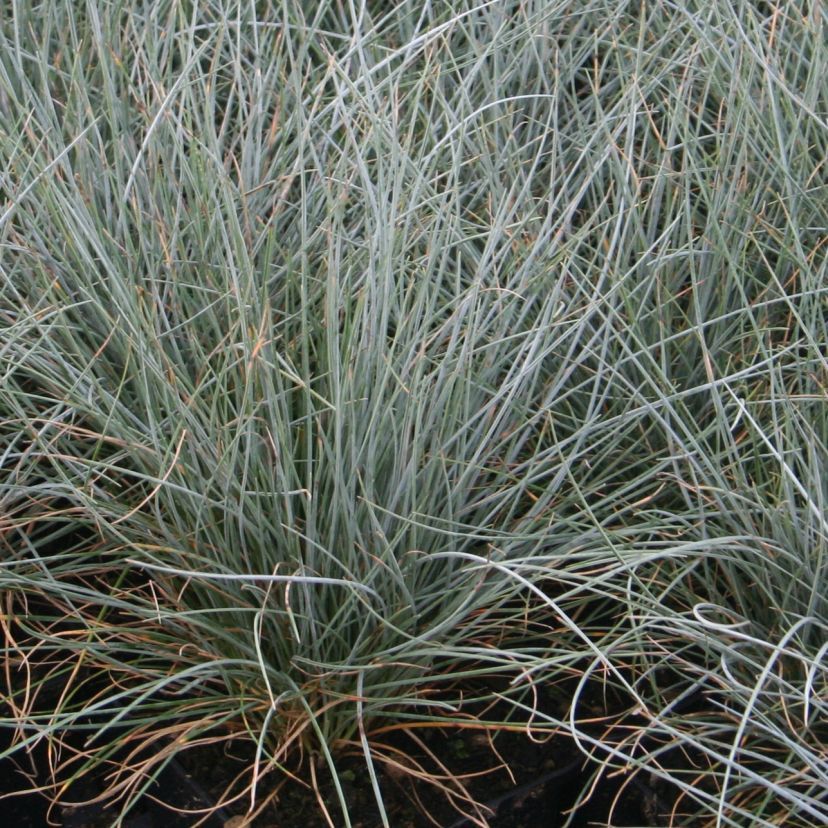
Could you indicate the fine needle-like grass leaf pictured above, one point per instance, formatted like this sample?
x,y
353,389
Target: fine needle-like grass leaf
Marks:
x,y
364,369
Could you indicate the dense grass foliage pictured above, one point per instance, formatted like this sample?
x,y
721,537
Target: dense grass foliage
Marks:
x,y
354,358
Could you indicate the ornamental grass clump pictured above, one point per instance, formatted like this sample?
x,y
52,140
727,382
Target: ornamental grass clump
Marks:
x,y
364,367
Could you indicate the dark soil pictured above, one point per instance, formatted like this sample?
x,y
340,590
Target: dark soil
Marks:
x,y
548,779
544,782
22,771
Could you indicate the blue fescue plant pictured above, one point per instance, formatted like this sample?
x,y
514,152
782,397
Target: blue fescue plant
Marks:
x,y
355,355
